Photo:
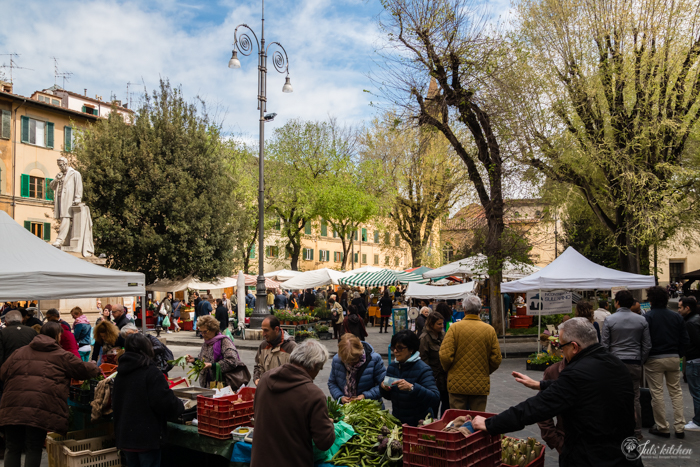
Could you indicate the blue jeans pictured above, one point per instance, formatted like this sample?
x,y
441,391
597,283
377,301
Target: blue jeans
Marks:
x,y
692,374
194,323
143,459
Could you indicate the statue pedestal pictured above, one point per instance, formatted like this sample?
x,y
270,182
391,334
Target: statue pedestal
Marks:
x,y
81,226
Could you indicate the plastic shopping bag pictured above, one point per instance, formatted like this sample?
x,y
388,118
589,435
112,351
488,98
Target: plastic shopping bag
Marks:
x,y
343,433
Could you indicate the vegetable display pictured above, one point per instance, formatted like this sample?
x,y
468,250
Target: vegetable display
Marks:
x,y
378,441
194,372
335,410
518,452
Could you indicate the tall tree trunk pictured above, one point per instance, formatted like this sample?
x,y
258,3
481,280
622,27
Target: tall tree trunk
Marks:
x,y
494,252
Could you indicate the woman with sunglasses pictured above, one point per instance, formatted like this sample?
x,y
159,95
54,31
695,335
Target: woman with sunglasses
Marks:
x,y
409,383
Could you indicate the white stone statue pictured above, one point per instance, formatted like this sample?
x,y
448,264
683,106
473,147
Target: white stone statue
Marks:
x,y
68,194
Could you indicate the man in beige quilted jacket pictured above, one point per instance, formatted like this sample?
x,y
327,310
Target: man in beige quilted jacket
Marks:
x,y
470,353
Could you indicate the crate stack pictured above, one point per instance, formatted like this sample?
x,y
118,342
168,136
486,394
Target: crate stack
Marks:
x,y
92,447
429,446
218,417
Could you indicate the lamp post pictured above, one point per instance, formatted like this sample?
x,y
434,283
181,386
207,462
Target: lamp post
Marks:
x,y
244,45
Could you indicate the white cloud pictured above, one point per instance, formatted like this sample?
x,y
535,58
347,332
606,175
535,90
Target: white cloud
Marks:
x,y
106,44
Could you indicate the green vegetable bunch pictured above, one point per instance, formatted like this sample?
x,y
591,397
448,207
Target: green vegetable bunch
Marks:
x,y
196,367
335,410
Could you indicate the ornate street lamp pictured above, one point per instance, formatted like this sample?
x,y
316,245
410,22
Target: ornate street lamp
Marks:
x,y
244,45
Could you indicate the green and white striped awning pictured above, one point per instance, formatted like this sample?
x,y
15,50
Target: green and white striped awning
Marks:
x,y
382,278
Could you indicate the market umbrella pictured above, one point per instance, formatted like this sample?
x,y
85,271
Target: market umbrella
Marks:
x,y
313,279
269,283
381,278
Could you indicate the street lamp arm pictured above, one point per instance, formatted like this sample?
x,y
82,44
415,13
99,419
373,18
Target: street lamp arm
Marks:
x,y
279,59
245,45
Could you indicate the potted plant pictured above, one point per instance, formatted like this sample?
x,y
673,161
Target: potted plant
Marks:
x,y
301,336
541,361
322,332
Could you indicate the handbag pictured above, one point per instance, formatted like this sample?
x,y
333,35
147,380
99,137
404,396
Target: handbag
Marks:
x,y
161,310
166,322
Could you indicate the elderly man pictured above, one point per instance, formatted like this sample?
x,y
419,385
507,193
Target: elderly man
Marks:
x,y
68,188
119,316
291,412
14,335
469,354
68,342
275,349
594,394
626,335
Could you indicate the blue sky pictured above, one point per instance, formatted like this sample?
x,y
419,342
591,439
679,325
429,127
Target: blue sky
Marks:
x,y
106,44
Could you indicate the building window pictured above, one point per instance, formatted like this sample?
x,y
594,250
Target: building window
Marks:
x,y
88,109
448,253
364,258
37,132
68,140
278,224
396,261
675,270
364,235
40,229
324,255
307,228
272,251
338,256
387,238
324,228
376,236
397,240
386,261
335,234
355,258
35,187
308,254
376,259
355,235
5,124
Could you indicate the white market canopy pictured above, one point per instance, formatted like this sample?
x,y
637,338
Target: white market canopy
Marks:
x,y
449,292
312,279
573,271
363,269
166,285
477,266
380,278
282,275
31,269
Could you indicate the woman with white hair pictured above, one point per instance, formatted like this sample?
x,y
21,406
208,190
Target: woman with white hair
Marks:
x,y
291,411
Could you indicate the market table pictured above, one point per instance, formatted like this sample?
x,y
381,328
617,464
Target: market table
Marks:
x,y
184,439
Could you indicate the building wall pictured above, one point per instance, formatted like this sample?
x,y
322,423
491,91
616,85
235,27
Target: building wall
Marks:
x,y
675,258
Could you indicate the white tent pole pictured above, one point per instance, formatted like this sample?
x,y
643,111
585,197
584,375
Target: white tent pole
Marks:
x,y
539,321
503,307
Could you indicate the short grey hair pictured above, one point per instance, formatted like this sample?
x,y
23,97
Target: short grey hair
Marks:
x,y
13,316
310,354
472,305
128,329
579,330
425,308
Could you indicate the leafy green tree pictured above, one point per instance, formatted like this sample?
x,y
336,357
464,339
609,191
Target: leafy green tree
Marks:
x,y
300,157
606,99
159,190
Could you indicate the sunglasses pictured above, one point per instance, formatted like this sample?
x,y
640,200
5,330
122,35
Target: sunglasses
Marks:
x,y
564,345
399,348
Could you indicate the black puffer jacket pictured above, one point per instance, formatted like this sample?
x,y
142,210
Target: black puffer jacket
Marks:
x,y
594,395
142,403
692,325
13,337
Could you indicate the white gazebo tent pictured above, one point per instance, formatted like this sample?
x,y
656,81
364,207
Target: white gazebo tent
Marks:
x,y
448,292
31,269
282,275
572,271
312,279
477,266
166,285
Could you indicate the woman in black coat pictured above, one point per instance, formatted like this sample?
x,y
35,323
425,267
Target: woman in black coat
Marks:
x,y
221,314
140,423
385,306
359,304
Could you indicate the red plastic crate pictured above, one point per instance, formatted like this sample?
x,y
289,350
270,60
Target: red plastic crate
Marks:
x,y
226,404
108,369
430,446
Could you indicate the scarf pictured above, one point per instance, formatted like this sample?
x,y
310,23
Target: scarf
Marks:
x,y
350,389
215,342
414,358
82,319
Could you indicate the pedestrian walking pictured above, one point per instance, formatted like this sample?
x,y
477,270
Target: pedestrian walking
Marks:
x,y
177,309
470,353
221,314
271,301
688,308
669,339
82,331
385,306
165,309
601,313
626,336
433,334
359,304
354,324
336,317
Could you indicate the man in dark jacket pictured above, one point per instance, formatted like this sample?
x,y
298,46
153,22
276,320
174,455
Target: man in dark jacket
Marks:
x,y
669,340
594,394
280,301
688,308
288,393
203,309
553,433
119,316
13,336
28,318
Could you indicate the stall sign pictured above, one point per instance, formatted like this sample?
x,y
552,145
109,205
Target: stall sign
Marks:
x,y
554,302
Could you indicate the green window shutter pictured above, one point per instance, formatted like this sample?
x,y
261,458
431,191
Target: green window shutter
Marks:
x,y
364,235
84,109
252,252
48,190
376,236
307,228
356,260
49,135
25,129
311,255
324,228
5,127
47,231
28,225
24,186
397,240
387,238
67,136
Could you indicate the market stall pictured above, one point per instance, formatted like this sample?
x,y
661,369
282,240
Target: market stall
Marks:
x,y
313,279
448,292
572,271
282,275
477,265
383,277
